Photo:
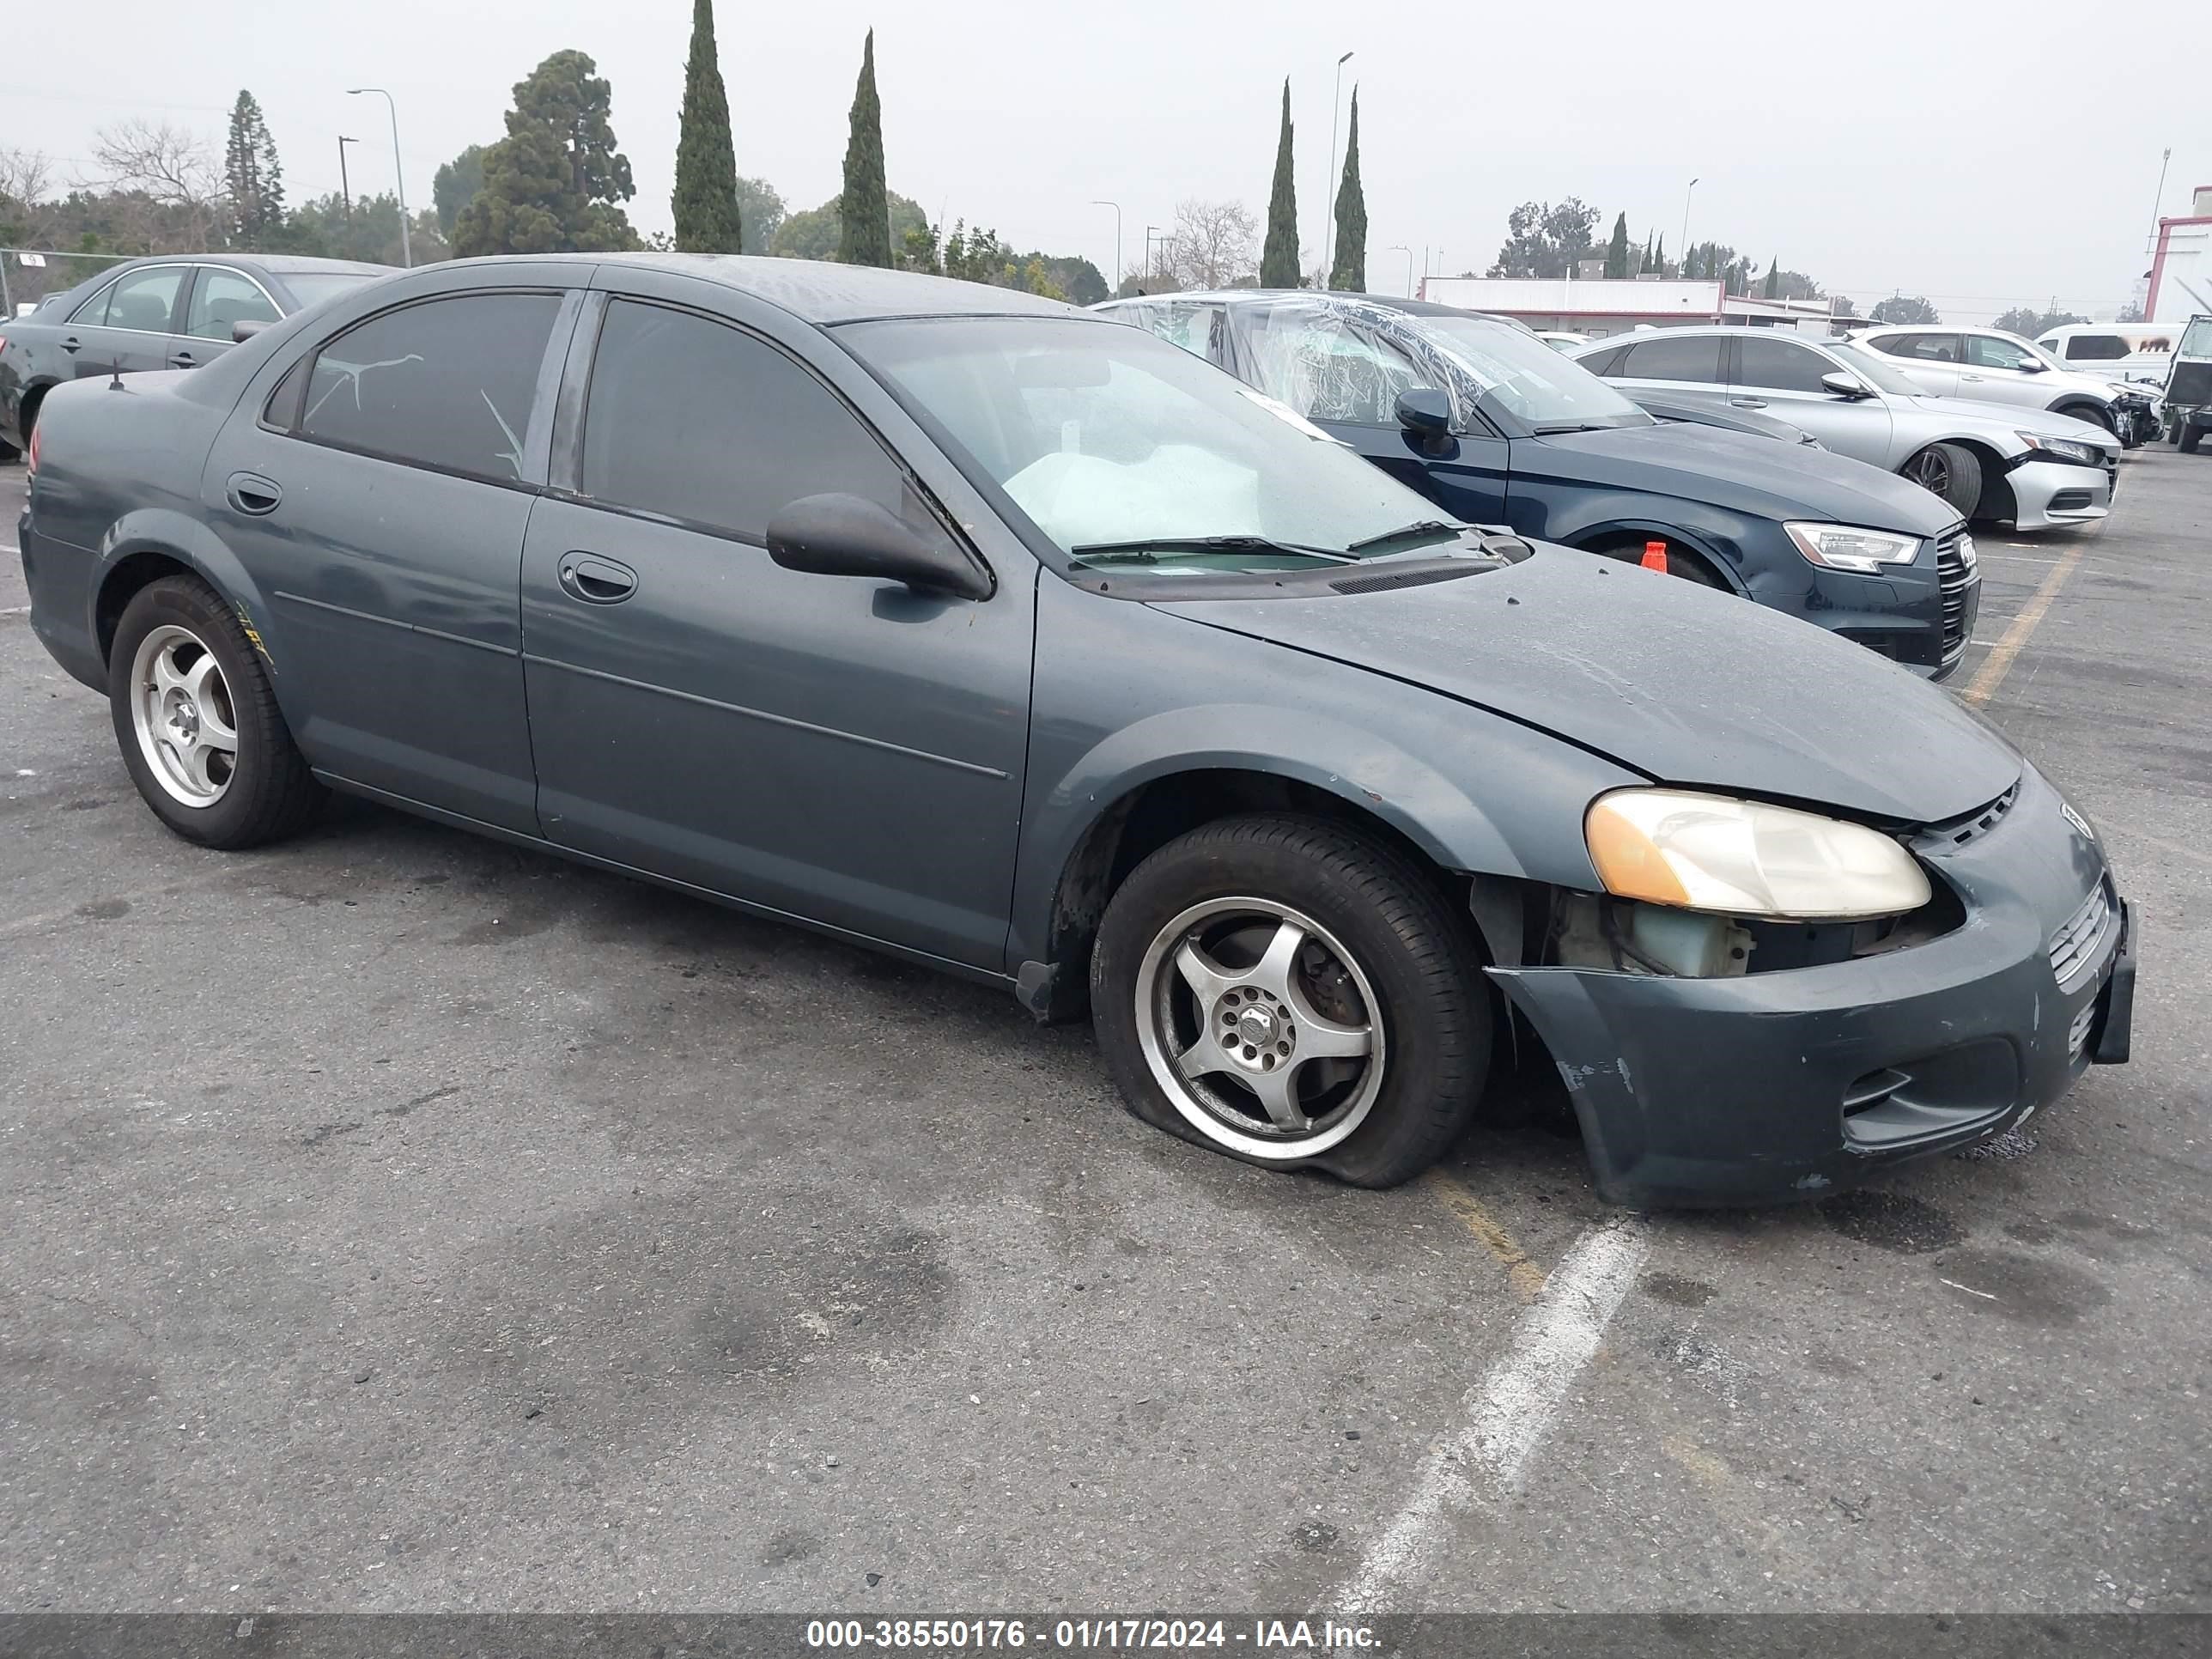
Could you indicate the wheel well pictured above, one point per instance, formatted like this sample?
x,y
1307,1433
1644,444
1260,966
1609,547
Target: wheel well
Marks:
x,y
2085,409
1153,814
121,586
1996,500
26,413
1614,541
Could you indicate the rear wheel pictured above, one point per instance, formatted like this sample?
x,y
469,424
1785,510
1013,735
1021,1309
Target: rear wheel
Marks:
x,y
1294,995
2192,436
1948,471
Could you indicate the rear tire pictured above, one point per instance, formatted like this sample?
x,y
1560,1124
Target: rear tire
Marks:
x,y
1290,960
198,721
1948,471
2191,436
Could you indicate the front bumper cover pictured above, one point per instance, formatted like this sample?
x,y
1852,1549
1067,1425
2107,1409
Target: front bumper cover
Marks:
x,y
1794,1085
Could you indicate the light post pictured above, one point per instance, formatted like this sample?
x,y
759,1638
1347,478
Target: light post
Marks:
x,y
1400,247
345,189
2158,202
1115,288
1685,255
1328,196
399,182
1150,231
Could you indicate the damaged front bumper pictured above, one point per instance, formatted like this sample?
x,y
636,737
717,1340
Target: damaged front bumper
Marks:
x,y
1792,1085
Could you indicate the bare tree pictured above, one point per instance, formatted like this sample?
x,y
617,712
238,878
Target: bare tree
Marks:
x,y
172,175
26,176
1212,245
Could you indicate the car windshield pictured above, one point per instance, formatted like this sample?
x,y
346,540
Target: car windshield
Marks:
x,y
1549,390
1868,367
2197,340
311,288
1121,447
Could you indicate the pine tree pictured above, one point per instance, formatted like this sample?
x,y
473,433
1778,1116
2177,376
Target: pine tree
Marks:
x,y
863,212
1773,289
1349,275
1616,250
1647,267
705,199
554,184
253,182
1279,255
1659,260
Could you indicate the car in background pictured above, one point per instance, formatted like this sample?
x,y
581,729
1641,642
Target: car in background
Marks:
x,y
2032,471
1496,427
958,623
1560,339
1989,366
175,311
2131,353
2189,387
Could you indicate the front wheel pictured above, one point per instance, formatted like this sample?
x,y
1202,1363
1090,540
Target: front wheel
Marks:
x,y
1950,471
1294,995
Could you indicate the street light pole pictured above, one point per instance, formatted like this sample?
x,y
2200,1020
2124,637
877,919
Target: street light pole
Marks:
x,y
1328,197
345,189
1116,286
1685,255
1150,231
1400,247
398,179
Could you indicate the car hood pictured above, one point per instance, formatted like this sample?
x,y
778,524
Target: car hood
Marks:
x,y
1686,684
1741,470
2015,420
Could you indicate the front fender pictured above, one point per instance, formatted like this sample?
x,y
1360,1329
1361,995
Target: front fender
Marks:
x,y
1721,550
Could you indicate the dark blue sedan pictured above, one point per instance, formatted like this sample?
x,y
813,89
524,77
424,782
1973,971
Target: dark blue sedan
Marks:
x,y
1496,427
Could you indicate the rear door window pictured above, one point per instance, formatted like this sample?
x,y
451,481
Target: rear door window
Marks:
x,y
447,383
1779,365
1919,348
144,302
1695,358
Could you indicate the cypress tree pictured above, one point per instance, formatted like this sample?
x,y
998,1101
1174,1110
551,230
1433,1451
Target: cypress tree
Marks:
x,y
1279,256
705,199
1647,266
1659,260
1773,289
1350,272
864,211
1616,250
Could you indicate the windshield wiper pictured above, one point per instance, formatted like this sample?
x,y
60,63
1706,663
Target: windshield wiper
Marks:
x,y
1406,532
1146,549
1572,426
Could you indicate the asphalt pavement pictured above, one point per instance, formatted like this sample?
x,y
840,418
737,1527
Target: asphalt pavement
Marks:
x,y
394,1220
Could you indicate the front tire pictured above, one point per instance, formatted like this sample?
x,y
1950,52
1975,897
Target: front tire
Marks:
x,y
1948,471
198,721
2192,436
1294,995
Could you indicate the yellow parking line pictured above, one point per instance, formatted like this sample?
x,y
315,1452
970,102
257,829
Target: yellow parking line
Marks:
x,y
1524,1275
1995,666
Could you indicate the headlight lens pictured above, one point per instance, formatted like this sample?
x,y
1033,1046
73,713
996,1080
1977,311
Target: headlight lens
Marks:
x,y
2064,448
1744,858
1846,547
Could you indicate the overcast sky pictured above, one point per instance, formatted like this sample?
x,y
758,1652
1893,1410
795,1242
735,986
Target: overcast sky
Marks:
x,y
1981,154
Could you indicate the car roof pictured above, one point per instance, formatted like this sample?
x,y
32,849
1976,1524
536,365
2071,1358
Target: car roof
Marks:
x,y
1325,296
824,292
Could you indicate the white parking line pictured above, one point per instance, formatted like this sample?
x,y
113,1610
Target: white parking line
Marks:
x,y
1509,1415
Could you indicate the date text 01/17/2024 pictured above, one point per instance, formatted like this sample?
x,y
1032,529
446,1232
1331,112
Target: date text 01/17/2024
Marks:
x,y
1164,1635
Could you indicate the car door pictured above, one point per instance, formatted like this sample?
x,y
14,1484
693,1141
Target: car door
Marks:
x,y
844,750
1993,370
1930,361
1665,361
1346,380
1782,378
129,326
377,499
220,299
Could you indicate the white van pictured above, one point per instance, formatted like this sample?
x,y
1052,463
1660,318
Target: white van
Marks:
x,y
2122,351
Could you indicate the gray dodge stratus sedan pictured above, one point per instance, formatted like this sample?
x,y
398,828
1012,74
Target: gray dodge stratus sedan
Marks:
x,y
1023,644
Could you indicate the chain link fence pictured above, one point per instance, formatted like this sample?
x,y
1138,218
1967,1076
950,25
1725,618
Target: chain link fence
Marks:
x,y
27,274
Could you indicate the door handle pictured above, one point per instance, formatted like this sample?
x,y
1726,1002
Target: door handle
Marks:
x,y
71,344
1976,379
181,360
251,493
1747,403
595,580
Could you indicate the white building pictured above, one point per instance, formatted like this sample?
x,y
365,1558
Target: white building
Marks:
x,y
1617,307
2180,271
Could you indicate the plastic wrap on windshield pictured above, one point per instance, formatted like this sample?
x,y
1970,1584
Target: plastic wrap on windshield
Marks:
x,y
1347,360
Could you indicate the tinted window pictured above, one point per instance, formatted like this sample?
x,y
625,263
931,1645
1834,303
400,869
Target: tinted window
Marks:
x,y
1919,348
1682,357
1779,366
223,298
1984,352
144,300
693,419
2095,348
1604,362
448,383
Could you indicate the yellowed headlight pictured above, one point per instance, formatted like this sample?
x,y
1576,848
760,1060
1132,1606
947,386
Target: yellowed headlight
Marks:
x,y
1745,858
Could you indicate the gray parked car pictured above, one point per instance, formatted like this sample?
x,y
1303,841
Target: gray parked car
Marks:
x,y
1989,366
1023,644
2034,471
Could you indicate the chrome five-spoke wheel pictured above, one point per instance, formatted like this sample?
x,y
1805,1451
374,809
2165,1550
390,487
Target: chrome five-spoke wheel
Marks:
x,y
183,715
1261,1027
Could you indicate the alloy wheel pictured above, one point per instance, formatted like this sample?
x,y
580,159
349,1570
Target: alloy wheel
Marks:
x,y
182,713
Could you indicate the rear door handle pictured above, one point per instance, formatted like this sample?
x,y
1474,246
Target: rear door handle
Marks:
x,y
71,344
1976,379
1747,403
251,493
182,360
595,580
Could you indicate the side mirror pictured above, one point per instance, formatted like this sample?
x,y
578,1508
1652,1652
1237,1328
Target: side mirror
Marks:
x,y
246,329
1425,410
839,535
1845,385
2032,365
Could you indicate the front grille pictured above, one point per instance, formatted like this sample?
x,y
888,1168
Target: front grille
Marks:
x,y
1382,579
2075,947
2191,383
1969,826
1961,583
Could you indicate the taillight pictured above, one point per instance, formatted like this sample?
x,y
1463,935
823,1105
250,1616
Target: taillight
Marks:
x,y
4,345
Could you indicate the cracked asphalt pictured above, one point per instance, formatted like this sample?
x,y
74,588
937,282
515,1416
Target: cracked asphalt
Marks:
x,y
394,1220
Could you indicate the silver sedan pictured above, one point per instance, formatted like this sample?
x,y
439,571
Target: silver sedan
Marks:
x,y
2032,468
